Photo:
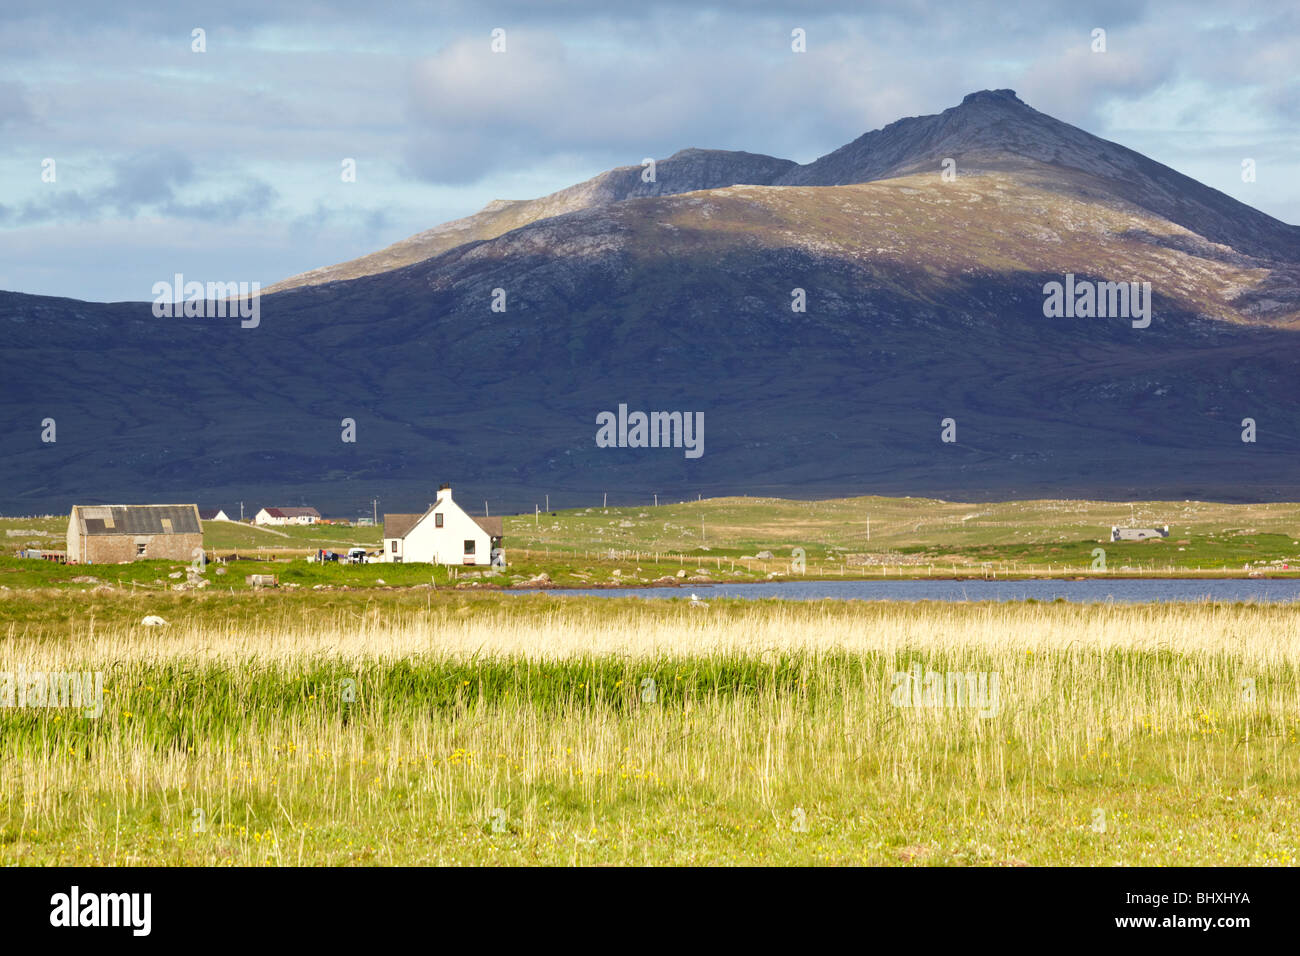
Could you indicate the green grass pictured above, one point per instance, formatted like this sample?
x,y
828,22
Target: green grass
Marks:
x,y
231,536
316,744
721,537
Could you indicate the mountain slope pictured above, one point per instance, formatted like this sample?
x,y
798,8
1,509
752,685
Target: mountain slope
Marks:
x,y
924,302
685,171
994,130
991,130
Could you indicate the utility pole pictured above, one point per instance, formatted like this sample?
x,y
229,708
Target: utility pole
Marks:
x,y
868,527
606,504
375,504
241,512
537,516
656,501
548,503
485,511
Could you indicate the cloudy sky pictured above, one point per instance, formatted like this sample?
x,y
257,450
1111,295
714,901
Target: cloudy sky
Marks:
x,y
226,165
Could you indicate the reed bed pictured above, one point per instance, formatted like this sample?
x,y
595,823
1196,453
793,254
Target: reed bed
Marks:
x,y
555,730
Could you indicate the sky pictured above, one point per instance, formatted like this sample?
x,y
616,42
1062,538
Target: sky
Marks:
x,y
227,164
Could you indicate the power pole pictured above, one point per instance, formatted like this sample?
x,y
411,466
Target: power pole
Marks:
x,y
606,504
485,511
241,512
375,503
548,503
537,516
656,501
868,527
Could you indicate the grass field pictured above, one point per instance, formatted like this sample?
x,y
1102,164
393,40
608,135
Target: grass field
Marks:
x,y
458,727
914,532
723,538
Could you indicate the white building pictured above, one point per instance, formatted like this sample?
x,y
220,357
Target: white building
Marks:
x,y
287,516
217,515
1137,534
444,534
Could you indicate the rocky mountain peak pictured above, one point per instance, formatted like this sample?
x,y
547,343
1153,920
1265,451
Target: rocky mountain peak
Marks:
x,y
996,97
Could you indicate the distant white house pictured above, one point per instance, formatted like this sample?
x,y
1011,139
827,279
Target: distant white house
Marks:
x,y
1138,534
444,534
218,515
281,516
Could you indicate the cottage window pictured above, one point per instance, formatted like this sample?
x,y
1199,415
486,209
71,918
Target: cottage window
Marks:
x,y
437,521
469,547
139,550
392,546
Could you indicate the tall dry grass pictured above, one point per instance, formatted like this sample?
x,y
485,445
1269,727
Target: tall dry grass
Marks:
x,y
523,732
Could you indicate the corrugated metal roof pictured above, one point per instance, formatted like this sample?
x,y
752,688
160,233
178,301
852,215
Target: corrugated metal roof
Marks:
x,y
138,519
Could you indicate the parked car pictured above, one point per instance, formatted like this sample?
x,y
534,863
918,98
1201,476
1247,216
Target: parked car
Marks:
x,y
357,556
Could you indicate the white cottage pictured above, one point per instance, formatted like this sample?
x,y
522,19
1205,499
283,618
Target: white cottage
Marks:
x,y
445,534
283,516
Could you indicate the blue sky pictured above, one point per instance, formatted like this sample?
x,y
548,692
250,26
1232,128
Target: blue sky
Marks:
x,y
225,165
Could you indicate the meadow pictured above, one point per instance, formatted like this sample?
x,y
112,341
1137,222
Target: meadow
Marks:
x,y
752,538
459,727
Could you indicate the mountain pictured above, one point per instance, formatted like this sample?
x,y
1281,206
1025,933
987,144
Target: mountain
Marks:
x,y
925,302
994,131
991,131
685,171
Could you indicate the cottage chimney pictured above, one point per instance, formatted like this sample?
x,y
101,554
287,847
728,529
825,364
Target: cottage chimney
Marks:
x,y
444,492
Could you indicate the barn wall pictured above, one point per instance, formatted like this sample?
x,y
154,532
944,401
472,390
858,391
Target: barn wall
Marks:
x,y
74,542
115,548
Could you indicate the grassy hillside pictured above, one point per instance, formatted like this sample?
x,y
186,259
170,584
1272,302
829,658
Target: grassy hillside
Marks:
x,y
921,531
223,536
724,536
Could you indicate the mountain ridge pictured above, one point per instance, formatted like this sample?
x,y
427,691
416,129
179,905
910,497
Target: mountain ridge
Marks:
x,y
923,302
990,130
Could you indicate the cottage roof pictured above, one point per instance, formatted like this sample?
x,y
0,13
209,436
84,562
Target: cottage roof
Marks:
x,y
494,527
137,519
293,512
396,526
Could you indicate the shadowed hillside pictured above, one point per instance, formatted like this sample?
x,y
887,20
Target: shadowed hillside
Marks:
x,y
924,302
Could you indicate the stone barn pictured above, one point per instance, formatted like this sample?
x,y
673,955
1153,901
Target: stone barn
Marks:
x,y
112,534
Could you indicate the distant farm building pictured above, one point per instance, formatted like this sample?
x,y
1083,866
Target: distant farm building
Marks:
x,y
445,534
1138,534
218,515
281,516
112,534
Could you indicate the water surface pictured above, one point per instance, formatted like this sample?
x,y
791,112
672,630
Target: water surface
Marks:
x,y
1121,590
